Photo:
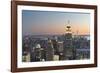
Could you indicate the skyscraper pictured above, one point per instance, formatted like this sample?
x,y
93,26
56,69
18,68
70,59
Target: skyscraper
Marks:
x,y
49,51
68,48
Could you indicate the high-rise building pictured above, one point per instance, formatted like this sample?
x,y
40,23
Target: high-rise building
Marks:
x,y
60,46
49,51
26,50
55,45
68,47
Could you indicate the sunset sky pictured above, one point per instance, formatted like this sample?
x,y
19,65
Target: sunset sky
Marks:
x,y
52,22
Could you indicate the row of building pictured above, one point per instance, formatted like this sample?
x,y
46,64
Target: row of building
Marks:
x,y
51,48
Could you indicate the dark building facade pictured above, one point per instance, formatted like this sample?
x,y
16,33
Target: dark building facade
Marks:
x,y
49,51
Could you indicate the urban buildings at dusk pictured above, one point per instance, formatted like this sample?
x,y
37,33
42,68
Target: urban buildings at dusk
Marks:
x,y
44,42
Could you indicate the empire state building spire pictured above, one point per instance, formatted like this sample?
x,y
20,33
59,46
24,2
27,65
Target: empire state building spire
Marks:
x,y
68,27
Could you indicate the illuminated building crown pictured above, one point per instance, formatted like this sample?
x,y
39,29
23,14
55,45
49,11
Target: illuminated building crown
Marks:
x,y
68,27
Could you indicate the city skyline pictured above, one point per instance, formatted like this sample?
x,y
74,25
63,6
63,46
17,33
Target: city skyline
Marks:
x,y
52,22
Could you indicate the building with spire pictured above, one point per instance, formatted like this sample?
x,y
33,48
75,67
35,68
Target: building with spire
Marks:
x,y
68,46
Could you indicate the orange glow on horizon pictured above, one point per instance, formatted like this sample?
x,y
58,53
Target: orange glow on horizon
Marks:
x,y
75,29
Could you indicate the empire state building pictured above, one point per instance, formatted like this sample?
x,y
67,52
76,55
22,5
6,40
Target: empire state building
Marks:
x,y
68,47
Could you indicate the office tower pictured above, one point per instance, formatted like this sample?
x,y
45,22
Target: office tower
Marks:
x,y
39,53
49,51
55,45
60,49
68,47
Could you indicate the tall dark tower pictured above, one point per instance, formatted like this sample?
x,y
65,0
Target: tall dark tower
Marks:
x,y
49,51
68,52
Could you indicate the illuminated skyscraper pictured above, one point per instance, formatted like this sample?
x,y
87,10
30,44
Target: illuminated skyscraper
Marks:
x,y
68,47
